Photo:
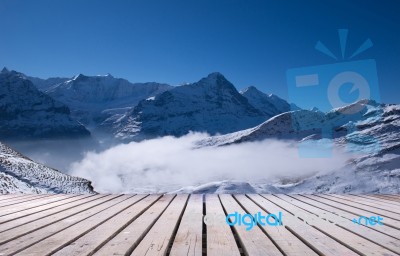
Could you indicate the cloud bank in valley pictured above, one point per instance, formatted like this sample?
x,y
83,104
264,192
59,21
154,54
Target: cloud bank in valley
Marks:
x,y
169,163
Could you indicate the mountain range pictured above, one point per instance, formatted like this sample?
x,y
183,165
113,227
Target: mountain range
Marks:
x,y
92,99
84,106
121,110
211,105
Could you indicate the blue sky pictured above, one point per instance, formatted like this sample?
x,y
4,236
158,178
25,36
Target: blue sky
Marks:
x,y
250,42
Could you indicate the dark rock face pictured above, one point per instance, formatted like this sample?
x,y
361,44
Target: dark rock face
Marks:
x,y
27,113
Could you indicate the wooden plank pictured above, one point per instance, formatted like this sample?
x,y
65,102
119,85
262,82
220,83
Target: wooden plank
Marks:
x,y
22,213
21,200
382,199
352,209
220,239
124,242
21,218
284,239
29,239
386,197
188,239
43,222
36,202
374,205
14,209
363,231
9,196
318,241
72,228
359,205
376,201
254,241
157,240
392,197
395,233
390,219
56,242
93,240
343,236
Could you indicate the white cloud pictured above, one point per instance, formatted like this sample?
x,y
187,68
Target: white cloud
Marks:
x,y
169,163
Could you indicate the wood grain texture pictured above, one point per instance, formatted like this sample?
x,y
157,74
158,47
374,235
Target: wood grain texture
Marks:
x,y
89,243
220,239
157,240
253,241
106,225
343,236
284,239
319,241
125,242
188,239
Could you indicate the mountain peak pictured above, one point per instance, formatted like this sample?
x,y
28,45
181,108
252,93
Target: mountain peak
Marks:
x,y
215,75
5,70
215,79
251,90
79,77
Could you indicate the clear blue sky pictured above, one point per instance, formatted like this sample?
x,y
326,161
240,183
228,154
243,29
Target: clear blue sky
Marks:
x,y
250,42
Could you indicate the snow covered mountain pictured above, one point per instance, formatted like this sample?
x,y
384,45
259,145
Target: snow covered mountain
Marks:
x,y
367,130
270,104
92,99
133,111
26,113
45,84
306,124
211,105
19,174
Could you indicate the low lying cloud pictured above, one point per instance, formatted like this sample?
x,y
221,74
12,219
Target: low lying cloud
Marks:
x,y
169,163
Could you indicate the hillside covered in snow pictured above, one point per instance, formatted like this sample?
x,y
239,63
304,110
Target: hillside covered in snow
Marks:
x,y
19,174
366,130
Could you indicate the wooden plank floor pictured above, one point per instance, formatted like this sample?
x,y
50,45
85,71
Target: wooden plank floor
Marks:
x,y
102,224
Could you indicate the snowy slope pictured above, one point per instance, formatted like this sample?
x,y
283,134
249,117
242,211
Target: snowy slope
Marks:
x,y
19,174
211,105
366,130
25,112
45,84
270,104
306,124
92,99
223,187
